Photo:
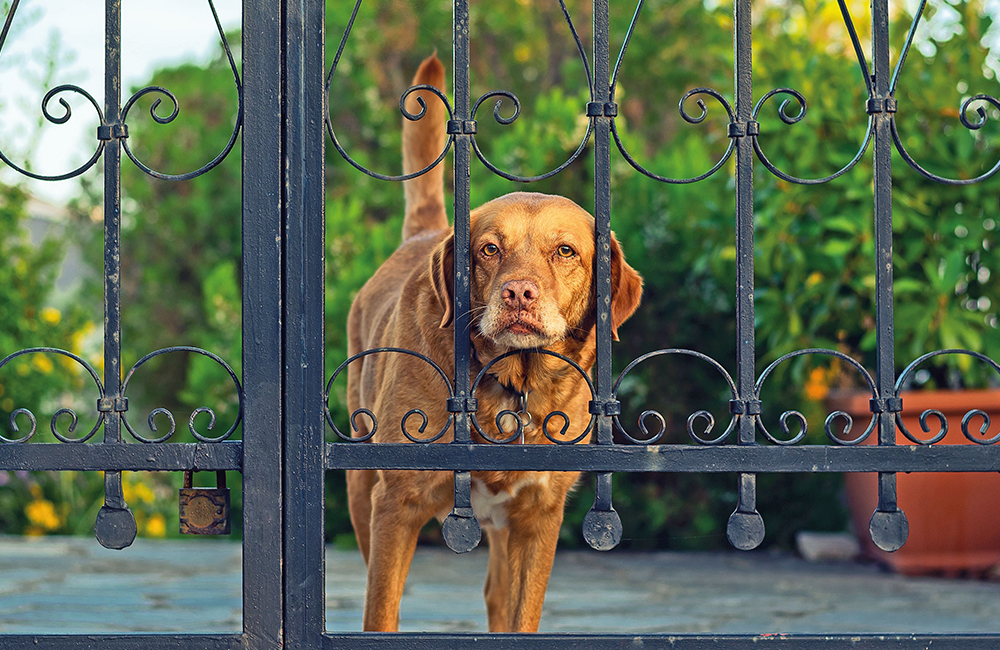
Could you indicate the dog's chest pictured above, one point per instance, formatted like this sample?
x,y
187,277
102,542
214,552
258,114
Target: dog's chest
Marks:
x,y
491,508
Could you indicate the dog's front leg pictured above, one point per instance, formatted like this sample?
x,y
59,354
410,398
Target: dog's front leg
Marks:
x,y
531,548
497,587
395,523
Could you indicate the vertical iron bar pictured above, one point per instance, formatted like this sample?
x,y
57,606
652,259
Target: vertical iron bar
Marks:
x,y
463,153
746,528
745,345
115,526
112,218
262,328
888,526
304,266
602,527
461,530
602,217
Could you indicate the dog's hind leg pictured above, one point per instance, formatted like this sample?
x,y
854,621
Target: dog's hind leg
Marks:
x,y
497,587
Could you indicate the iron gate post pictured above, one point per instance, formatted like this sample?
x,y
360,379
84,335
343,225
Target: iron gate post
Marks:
x,y
262,241
303,315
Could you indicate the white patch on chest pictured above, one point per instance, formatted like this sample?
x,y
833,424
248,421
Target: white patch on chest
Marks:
x,y
491,508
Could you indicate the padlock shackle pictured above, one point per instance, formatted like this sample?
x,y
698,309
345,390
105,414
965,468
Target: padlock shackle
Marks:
x,y
220,478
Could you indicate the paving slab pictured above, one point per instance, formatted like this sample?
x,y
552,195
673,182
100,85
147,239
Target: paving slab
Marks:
x,y
73,585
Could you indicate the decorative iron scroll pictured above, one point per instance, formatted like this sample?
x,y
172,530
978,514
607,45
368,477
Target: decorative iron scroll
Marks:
x,y
63,411
500,95
115,525
194,414
521,424
828,424
747,422
942,419
962,114
692,419
119,130
372,419
108,404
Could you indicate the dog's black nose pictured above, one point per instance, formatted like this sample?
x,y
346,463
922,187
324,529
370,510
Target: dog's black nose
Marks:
x,y
519,293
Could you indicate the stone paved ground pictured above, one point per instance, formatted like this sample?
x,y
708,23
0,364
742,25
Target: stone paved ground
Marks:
x,y
72,585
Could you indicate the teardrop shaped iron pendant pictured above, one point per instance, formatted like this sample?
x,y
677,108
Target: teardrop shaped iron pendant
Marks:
x,y
115,528
602,529
745,530
461,530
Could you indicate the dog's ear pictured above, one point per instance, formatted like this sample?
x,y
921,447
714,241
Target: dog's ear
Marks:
x,y
626,288
442,278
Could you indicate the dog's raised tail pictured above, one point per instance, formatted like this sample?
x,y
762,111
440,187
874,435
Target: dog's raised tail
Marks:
x,y
423,142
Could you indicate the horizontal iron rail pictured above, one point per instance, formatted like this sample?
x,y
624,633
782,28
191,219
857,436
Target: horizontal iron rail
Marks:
x,y
122,641
664,458
133,457
371,641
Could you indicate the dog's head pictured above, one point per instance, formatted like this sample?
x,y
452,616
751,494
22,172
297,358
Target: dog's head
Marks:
x,y
532,282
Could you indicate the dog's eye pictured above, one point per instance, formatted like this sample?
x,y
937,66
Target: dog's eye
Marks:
x,y
565,251
489,250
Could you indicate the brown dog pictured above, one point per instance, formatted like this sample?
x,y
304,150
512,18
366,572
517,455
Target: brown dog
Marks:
x,y
532,261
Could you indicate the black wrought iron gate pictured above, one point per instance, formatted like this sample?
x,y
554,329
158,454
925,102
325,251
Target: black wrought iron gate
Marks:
x,y
284,453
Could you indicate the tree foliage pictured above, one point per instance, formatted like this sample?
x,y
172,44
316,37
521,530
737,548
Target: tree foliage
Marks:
x,y
814,244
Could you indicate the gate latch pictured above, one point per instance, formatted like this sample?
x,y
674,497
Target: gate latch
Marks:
x,y
204,511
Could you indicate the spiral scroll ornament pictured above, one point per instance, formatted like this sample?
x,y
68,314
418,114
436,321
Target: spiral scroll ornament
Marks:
x,y
25,416
800,419
523,418
963,114
784,116
165,414
696,417
373,423
167,119
968,420
413,117
108,131
504,94
60,119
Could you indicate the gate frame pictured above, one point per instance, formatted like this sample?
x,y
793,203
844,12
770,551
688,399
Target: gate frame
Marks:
x,y
258,456
306,441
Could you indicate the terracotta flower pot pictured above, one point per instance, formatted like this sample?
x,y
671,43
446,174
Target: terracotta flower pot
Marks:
x,y
954,527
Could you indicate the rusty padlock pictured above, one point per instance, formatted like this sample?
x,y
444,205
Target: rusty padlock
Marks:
x,y
204,511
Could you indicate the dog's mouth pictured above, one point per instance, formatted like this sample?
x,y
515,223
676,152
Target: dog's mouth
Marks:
x,y
519,330
523,324
519,327
520,322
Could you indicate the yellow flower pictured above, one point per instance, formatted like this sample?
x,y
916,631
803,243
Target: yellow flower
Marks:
x,y
42,513
43,363
814,278
522,53
817,387
143,493
79,336
156,526
51,315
